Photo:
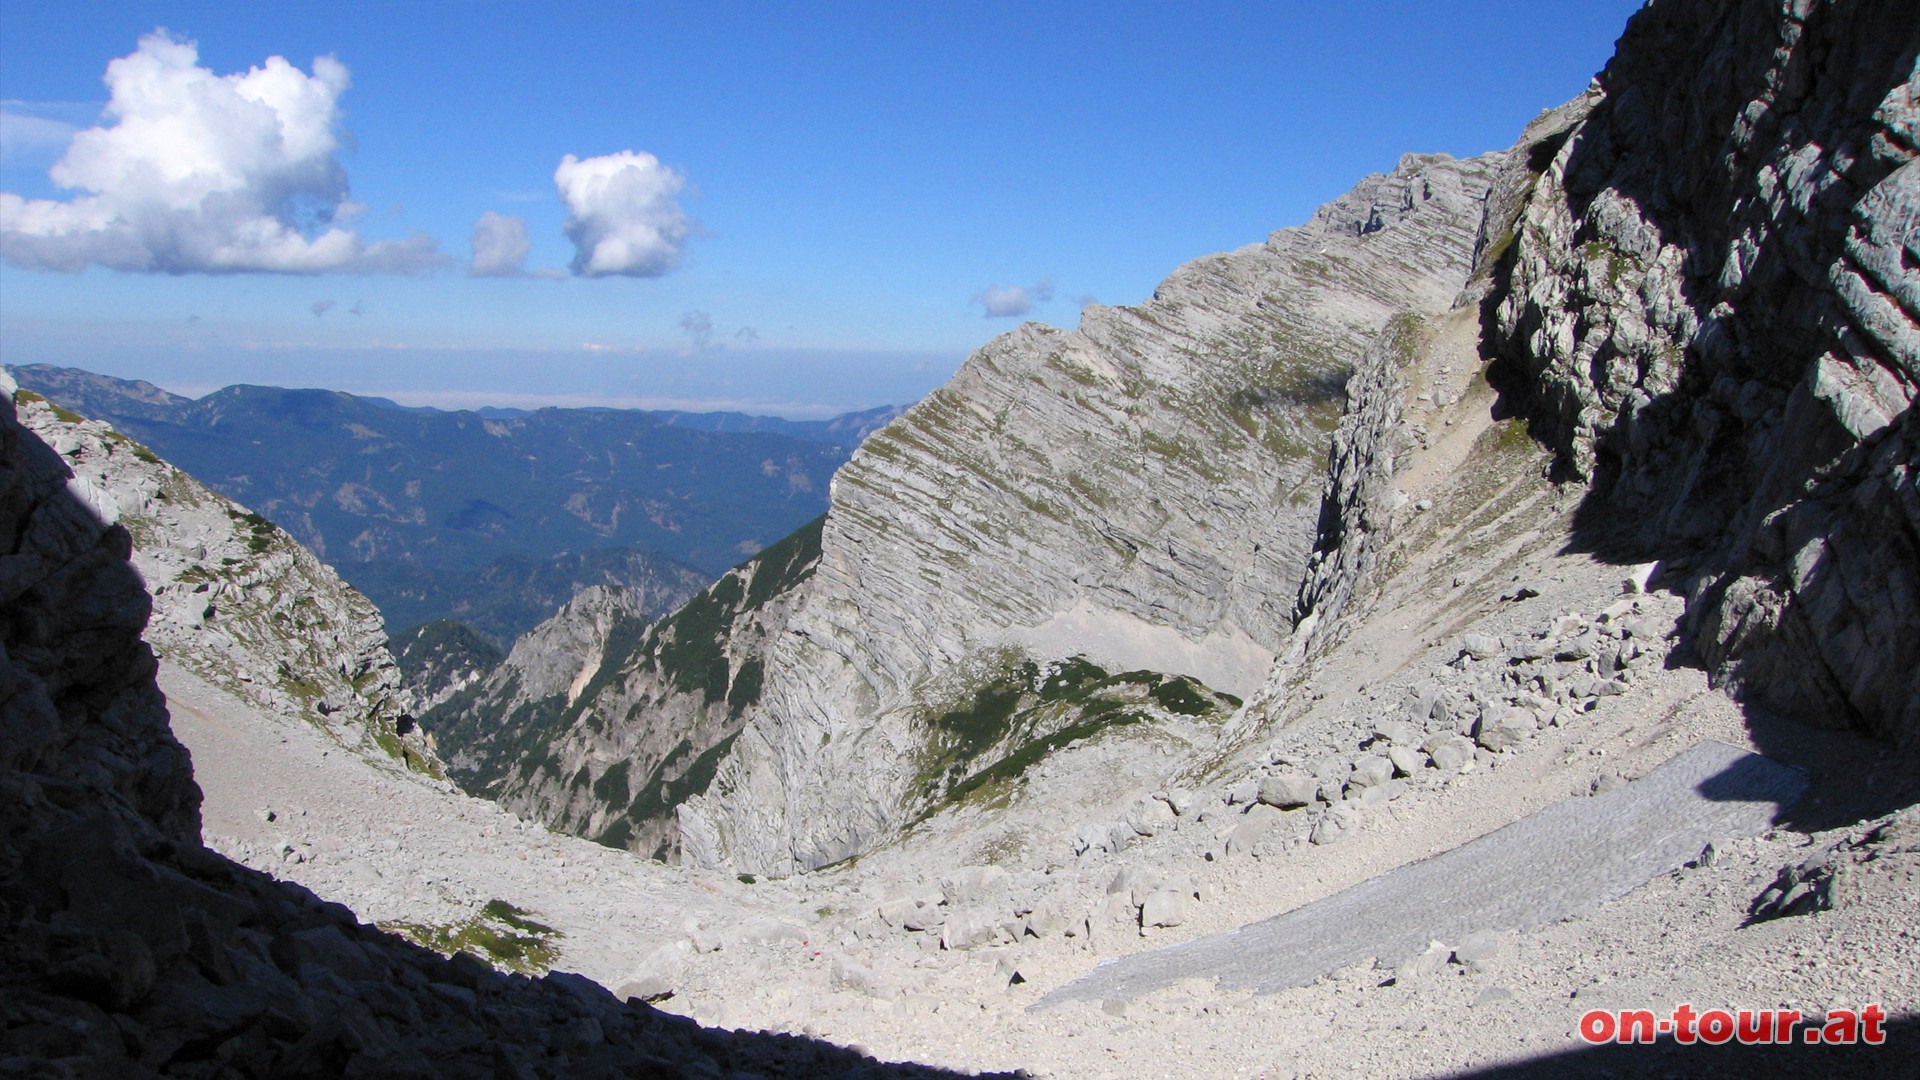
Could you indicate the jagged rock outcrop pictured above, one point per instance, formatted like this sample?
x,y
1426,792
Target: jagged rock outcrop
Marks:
x,y
439,659
128,949
1709,305
599,723
236,600
1142,492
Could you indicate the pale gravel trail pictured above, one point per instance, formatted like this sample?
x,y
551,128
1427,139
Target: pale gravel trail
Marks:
x,y
1554,864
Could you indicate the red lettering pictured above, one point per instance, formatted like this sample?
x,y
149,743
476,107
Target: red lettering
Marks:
x,y
1716,1026
1755,1026
1871,1032
1842,1027
1784,1022
1683,1017
1596,1026
1636,1025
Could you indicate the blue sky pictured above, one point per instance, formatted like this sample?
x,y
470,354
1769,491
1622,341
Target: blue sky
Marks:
x,y
786,207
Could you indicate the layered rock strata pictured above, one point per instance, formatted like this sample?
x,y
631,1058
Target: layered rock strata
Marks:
x,y
1142,492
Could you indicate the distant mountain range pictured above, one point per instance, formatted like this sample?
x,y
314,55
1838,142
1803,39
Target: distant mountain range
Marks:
x,y
495,517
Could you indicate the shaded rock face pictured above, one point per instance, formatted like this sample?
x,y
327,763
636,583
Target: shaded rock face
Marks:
x,y
236,600
128,949
1707,305
1141,492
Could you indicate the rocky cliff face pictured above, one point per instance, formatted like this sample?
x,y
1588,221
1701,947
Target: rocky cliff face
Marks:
x,y
600,723
1694,279
236,600
441,658
1141,492
1707,305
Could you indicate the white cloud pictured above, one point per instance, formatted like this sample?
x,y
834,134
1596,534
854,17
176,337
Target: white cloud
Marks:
x,y
1009,301
621,214
499,246
204,173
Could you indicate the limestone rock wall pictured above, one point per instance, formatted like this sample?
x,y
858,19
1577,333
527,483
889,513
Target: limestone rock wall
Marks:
x,y
1142,491
1708,307
601,721
236,600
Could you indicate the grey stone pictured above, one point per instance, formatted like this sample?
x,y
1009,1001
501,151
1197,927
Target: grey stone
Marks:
x,y
1449,752
969,929
1383,793
971,884
1339,822
1610,844
1423,964
1399,732
1480,646
1165,907
1370,770
1288,790
1406,760
1504,727
1478,947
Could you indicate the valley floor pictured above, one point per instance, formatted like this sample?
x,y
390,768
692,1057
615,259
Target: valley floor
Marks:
x,y
831,955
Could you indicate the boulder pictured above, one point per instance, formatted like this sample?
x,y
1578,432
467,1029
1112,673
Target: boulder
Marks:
x,y
1406,760
971,884
1371,770
1165,907
1504,727
1289,790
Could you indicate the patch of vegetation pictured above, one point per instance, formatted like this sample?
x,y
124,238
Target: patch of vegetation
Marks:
x,y
745,689
690,645
611,788
259,530
23,396
656,799
1026,712
1182,695
617,835
786,564
439,649
500,934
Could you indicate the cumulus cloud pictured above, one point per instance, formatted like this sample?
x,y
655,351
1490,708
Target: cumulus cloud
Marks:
x,y
204,173
1010,301
622,215
499,246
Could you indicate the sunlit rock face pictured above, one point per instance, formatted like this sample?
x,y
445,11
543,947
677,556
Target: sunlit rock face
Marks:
x,y
1142,491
